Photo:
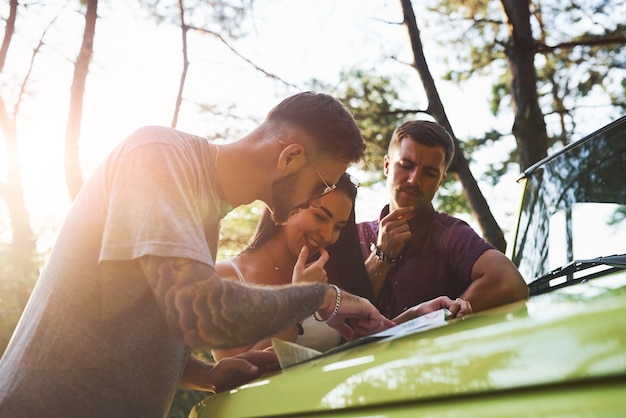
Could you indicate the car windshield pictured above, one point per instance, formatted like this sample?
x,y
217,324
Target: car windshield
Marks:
x,y
574,204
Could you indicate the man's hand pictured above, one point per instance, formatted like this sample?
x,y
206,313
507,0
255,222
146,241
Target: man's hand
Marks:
x,y
356,316
394,232
229,372
458,308
312,272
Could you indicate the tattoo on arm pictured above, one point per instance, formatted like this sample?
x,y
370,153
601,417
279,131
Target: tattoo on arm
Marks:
x,y
207,311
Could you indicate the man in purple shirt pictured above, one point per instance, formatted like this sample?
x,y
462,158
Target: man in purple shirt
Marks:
x,y
414,253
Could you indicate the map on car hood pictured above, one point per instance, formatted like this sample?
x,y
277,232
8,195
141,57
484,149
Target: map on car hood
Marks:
x,y
290,354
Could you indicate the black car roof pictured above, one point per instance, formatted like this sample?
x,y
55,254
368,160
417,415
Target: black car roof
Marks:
x,y
611,126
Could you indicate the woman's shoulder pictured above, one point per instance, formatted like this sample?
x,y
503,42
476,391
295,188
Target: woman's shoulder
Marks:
x,y
228,269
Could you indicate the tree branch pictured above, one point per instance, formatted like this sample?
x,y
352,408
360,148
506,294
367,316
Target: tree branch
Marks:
x,y
234,51
31,65
619,40
405,112
183,77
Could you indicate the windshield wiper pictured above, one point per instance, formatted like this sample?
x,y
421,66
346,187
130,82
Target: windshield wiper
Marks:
x,y
612,262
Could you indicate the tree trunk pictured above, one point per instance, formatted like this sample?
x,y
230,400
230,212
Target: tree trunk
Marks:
x,y
459,167
73,174
23,239
529,127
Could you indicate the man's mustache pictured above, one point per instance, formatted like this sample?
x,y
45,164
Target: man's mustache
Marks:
x,y
409,188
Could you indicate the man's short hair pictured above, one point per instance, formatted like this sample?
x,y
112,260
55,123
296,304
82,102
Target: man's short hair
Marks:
x,y
326,120
427,133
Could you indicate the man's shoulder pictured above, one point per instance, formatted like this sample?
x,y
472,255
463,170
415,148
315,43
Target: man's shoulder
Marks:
x,y
449,220
158,134
161,140
452,225
457,230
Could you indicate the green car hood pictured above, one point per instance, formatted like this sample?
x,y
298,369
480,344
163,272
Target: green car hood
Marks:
x,y
574,340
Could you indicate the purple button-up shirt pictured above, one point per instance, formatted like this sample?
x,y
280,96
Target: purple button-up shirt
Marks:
x,y
437,260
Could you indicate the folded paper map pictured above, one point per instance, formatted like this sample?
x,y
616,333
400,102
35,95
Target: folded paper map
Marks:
x,y
290,354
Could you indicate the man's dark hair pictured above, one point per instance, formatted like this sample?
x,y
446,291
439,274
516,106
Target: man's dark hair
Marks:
x,y
328,122
427,133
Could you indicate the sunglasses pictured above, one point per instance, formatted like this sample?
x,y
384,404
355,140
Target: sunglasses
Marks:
x,y
327,188
315,200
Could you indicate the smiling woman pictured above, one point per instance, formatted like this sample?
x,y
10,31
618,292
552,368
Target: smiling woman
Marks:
x,y
278,255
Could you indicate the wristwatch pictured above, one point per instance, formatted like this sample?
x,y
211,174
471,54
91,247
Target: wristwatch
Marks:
x,y
380,254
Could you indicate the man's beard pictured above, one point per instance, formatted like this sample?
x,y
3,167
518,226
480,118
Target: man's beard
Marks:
x,y
283,190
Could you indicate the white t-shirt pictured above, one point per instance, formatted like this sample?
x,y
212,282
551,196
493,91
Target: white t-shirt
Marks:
x,y
89,347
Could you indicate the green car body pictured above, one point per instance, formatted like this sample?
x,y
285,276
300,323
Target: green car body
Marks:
x,y
562,353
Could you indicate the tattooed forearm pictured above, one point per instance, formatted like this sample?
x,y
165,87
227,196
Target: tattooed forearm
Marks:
x,y
210,312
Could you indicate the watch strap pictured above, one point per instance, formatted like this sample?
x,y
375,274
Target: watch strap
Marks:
x,y
380,254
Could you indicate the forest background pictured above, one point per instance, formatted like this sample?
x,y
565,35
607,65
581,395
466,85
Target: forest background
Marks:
x,y
511,79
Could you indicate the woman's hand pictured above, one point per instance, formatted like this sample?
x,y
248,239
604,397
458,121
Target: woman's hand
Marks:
x,y
310,273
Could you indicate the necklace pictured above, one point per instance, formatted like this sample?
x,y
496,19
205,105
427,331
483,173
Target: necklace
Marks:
x,y
267,248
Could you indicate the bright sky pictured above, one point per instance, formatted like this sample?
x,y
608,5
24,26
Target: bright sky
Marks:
x,y
136,67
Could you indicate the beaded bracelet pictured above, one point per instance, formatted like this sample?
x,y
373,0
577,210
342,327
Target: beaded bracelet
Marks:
x,y
337,304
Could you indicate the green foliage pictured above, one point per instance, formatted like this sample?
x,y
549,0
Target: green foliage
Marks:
x,y
619,98
618,216
184,401
15,288
237,229
495,168
499,90
450,198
